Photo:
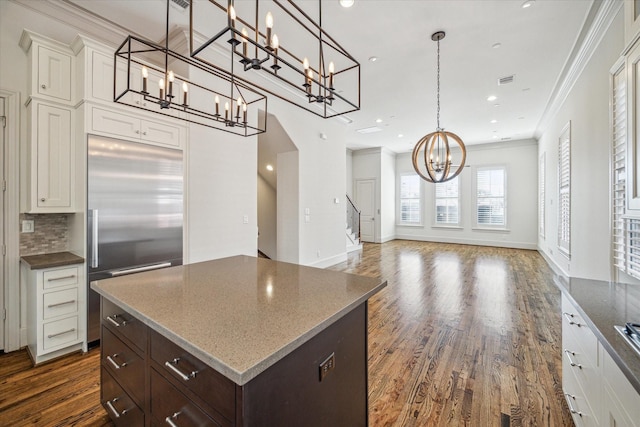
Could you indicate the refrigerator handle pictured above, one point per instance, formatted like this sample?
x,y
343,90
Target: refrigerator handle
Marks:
x,y
116,273
94,238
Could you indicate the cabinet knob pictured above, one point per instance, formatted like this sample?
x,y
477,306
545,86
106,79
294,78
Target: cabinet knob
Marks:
x,y
137,131
144,133
43,86
42,199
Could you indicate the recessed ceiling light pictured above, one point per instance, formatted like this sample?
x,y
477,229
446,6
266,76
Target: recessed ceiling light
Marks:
x,y
528,4
496,45
378,120
496,105
346,3
495,136
373,58
492,98
269,168
494,121
400,135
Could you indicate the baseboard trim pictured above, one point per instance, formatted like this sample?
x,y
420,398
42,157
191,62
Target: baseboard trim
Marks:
x,y
328,262
552,264
475,242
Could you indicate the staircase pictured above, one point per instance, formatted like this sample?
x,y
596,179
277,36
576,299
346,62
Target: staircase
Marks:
x,y
353,227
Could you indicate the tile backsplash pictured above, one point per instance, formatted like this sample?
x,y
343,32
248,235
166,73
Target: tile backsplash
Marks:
x,y
50,234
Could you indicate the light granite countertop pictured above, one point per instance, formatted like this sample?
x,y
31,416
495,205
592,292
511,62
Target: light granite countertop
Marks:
x,y
240,315
603,305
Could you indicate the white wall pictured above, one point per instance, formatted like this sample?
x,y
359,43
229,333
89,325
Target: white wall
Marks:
x,y
322,172
387,195
349,165
288,205
520,160
267,218
587,107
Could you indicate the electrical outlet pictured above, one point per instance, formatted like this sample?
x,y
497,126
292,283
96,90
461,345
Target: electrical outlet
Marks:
x,y
328,365
28,226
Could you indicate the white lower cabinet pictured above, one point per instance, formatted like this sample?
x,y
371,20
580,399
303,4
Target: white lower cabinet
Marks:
x,y
596,390
56,310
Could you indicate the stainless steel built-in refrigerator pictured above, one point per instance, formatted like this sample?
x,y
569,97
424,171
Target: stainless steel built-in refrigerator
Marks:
x,y
134,213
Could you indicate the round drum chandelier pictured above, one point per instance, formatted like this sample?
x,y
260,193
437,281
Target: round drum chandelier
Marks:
x,y
432,158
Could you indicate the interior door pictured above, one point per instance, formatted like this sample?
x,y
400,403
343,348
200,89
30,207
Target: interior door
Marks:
x,y
366,201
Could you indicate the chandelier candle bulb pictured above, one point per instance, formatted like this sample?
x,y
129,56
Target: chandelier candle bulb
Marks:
x,y
171,78
161,87
185,90
217,105
239,103
145,77
244,113
232,16
275,43
269,22
245,42
226,111
331,71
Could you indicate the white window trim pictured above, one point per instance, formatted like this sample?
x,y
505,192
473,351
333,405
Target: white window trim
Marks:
x,y
483,227
434,223
399,222
564,245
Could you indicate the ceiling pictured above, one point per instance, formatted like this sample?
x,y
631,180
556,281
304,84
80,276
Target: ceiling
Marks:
x,y
485,40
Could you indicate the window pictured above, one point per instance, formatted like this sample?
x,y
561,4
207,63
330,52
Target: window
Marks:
x,y
410,200
564,191
619,157
541,195
448,202
490,197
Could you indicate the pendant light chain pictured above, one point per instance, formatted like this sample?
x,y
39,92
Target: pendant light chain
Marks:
x,y
438,85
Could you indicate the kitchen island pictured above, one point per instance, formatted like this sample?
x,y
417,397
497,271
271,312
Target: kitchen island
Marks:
x,y
236,341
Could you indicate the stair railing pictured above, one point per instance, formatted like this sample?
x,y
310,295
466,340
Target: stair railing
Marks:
x,y
353,217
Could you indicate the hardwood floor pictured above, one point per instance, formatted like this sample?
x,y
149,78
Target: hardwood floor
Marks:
x,y
461,336
63,392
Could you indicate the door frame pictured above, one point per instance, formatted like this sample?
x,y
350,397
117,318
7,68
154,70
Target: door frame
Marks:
x,y
376,239
11,215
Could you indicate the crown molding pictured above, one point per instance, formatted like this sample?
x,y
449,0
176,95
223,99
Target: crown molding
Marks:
x,y
599,27
79,18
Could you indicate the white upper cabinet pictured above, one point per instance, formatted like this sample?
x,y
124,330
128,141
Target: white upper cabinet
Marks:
x,y
52,68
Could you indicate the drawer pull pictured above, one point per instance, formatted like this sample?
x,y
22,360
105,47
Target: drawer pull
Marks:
x,y
571,409
61,333
570,353
115,323
53,279
58,304
114,363
169,420
569,317
185,377
113,409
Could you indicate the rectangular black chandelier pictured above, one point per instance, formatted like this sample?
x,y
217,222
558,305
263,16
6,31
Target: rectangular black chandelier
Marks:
x,y
277,47
154,78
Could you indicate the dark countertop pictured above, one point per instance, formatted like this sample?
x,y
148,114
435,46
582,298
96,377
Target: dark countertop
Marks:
x,y
57,259
603,305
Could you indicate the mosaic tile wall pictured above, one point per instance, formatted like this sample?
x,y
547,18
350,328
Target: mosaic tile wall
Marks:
x,y
50,234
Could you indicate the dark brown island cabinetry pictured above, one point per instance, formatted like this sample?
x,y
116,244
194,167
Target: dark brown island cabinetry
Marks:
x,y
238,341
149,380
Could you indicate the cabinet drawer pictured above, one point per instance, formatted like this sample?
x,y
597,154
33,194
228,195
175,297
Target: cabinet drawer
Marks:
x,y
59,303
578,404
60,332
575,328
122,410
167,402
124,325
62,277
124,364
216,390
